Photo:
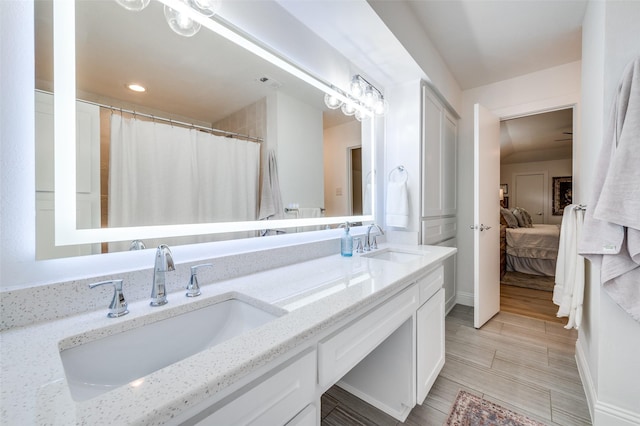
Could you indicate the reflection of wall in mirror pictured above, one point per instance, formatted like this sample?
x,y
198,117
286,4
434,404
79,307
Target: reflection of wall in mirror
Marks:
x,y
88,192
296,129
337,141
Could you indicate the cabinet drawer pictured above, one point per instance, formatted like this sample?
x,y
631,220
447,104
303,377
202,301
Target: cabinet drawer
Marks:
x,y
436,230
341,352
431,283
273,400
306,417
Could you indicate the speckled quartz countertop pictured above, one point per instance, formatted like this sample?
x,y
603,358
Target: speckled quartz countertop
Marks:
x,y
316,295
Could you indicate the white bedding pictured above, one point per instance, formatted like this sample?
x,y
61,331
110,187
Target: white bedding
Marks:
x,y
539,242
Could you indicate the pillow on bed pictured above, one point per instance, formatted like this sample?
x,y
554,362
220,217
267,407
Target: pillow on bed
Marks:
x,y
507,215
523,217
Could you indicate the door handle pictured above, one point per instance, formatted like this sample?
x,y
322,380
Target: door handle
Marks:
x,y
484,227
539,213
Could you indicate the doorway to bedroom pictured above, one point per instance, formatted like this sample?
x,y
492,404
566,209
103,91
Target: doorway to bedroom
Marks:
x,y
536,168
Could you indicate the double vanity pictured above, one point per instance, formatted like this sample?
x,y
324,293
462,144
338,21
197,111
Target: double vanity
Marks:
x,y
256,349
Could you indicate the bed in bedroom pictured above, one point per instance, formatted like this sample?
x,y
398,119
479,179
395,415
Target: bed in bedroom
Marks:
x,y
529,248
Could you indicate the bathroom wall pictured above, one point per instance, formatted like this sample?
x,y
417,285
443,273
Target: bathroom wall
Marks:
x,y
299,151
250,120
337,140
609,339
554,168
539,91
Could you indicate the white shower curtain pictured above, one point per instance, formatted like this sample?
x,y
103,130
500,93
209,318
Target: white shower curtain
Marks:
x,y
162,174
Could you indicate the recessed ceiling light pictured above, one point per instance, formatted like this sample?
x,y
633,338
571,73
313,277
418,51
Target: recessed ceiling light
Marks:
x,y
136,87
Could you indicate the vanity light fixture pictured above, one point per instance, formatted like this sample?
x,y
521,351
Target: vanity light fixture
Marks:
x,y
134,5
363,95
178,21
136,87
181,23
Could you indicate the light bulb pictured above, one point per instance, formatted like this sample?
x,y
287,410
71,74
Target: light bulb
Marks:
x,y
381,107
180,23
133,5
348,109
206,7
332,101
370,97
356,87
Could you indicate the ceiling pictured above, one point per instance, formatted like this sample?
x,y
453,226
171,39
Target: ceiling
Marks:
x,y
483,42
539,137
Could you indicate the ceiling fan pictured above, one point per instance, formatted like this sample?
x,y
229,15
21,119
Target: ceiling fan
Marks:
x,y
565,139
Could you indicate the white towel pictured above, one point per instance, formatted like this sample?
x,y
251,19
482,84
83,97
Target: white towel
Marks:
x,y
271,206
397,204
568,292
611,234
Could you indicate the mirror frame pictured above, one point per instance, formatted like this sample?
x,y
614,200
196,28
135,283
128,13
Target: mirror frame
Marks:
x,y
66,232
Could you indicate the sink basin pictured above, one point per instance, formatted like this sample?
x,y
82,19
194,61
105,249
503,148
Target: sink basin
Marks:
x,y
101,365
393,255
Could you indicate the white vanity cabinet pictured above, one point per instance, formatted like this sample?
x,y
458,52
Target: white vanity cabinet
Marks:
x,y
430,343
393,354
284,395
430,331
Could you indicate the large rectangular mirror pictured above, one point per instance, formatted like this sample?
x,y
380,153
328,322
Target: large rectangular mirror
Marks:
x,y
197,156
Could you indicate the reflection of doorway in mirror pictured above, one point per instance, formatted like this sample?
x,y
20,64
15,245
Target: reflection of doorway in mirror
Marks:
x,y
354,160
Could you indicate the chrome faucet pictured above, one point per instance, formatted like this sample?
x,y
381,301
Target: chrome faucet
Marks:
x,y
164,263
118,306
367,240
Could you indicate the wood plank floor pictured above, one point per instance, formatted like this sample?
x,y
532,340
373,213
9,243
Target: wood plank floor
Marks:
x,y
522,363
529,302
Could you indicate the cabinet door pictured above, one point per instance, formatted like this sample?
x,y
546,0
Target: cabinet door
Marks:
x,y
432,113
430,343
439,157
449,150
449,276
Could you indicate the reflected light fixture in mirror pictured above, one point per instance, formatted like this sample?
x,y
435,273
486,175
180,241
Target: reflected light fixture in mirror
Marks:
x,y
133,5
66,232
363,94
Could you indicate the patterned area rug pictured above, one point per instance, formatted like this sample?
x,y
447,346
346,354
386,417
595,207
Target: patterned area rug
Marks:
x,y
470,410
536,282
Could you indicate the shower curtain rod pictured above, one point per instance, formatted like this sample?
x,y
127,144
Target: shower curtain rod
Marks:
x,y
170,121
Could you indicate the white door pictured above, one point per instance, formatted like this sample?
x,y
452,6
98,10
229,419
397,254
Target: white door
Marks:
x,y
530,194
486,215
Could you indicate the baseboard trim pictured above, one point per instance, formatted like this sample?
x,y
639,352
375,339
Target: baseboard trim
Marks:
x,y
602,413
585,377
464,298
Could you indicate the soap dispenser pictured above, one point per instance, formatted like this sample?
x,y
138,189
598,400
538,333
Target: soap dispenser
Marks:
x,y
346,242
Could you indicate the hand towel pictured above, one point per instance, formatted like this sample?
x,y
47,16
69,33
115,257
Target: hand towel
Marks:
x,y
397,211
568,292
271,206
611,233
